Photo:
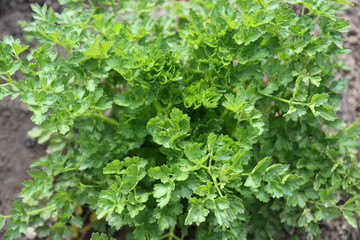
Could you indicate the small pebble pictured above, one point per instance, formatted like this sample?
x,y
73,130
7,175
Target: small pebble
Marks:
x,y
30,233
30,142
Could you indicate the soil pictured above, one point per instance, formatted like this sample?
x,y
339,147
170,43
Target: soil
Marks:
x,y
15,156
350,104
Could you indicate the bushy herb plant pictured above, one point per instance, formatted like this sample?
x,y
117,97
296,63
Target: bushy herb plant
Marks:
x,y
207,119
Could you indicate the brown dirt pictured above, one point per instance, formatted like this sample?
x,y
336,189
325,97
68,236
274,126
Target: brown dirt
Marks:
x,y
15,157
350,104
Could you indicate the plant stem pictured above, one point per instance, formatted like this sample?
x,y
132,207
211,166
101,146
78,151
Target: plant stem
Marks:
x,y
92,3
269,233
282,99
170,235
70,169
341,208
303,8
216,184
4,84
90,186
105,118
171,232
9,79
165,236
34,212
157,108
182,236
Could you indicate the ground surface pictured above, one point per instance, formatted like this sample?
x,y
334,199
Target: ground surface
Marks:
x,y
15,157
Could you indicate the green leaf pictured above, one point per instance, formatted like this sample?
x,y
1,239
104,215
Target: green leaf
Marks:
x,y
315,80
169,131
2,221
99,48
226,209
4,92
235,104
194,153
319,99
17,47
338,86
162,193
295,111
167,216
166,174
135,97
102,236
110,201
201,94
349,216
326,112
132,169
305,218
162,173
261,165
253,181
197,212
298,199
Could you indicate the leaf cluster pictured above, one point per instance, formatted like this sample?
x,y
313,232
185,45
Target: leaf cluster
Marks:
x,y
201,119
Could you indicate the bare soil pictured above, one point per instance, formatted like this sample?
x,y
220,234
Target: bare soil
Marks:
x,y
15,157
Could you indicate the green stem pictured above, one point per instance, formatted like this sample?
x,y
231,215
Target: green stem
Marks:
x,y
34,212
70,169
165,236
170,235
90,186
92,4
171,232
341,208
303,8
269,233
282,99
216,184
4,84
4,78
105,118
8,79
156,104
239,120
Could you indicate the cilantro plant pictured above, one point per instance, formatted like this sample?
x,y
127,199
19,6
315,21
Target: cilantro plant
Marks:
x,y
184,120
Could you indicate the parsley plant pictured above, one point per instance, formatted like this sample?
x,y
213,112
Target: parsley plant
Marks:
x,y
206,119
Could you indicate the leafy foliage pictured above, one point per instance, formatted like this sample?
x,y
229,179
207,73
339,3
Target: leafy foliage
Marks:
x,y
209,119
